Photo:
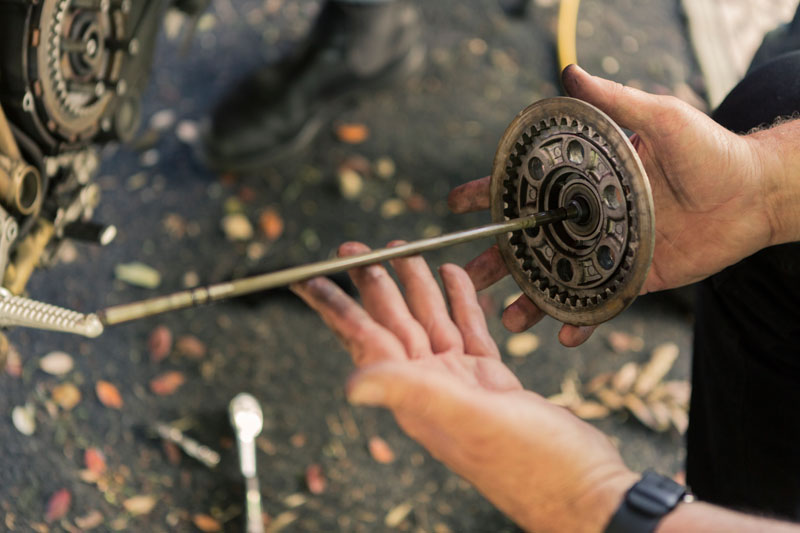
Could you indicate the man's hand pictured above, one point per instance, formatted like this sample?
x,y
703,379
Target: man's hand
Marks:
x,y
441,375
711,200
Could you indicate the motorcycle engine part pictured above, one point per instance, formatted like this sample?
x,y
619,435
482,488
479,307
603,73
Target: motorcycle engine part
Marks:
x,y
24,312
587,270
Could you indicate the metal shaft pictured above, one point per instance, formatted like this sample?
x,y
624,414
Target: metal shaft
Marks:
x,y
201,295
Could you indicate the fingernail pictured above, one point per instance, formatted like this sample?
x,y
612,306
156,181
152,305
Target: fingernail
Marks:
x,y
366,393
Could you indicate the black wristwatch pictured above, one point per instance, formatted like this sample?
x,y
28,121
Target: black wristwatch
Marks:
x,y
646,503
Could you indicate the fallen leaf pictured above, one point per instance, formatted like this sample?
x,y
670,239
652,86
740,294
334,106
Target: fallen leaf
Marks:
x,y
380,450
397,514
108,394
58,505
295,500
661,361
167,383
622,342
315,479
352,133
598,382
590,410
637,407
159,343
678,392
90,520
350,183
661,415
66,396
385,168
393,207
87,476
271,224
206,523
23,418
138,274
625,377
95,461
13,362
187,131
281,521
237,227
191,346
680,418
139,505
610,398
56,363
522,344
172,452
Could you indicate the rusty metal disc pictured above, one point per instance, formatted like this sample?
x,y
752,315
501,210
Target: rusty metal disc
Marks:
x,y
588,270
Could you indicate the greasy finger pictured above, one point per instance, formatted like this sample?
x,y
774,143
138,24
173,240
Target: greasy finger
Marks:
x,y
426,302
487,269
366,340
471,196
385,303
521,315
571,336
467,313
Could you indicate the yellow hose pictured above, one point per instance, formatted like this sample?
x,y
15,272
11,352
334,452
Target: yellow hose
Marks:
x,y
566,40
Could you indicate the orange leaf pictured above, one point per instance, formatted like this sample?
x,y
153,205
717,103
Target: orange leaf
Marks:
x,y
167,383
353,133
315,479
108,394
271,224
380,450
159,343
206,523
191,347
94,460
58,506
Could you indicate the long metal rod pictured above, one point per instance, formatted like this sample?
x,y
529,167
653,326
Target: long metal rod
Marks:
x,y
201,295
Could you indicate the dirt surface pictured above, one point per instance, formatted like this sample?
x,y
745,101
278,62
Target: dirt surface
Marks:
x,y
439,131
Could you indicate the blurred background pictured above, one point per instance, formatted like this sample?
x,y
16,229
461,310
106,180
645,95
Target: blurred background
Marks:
x,y
83,454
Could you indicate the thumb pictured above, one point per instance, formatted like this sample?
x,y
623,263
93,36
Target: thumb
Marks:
x,y
407,388
630,108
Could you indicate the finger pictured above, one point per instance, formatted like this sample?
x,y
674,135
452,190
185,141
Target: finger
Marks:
x,y
571,336
487,269
628,107
366,340
385,303
471,196
521,315
467,312
426,302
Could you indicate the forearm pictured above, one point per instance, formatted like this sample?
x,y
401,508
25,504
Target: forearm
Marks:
x,y
699,516
779,151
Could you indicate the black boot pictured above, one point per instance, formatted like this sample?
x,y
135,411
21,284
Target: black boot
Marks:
x,y
274,112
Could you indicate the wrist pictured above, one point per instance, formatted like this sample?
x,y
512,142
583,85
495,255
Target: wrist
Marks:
x,y
599,503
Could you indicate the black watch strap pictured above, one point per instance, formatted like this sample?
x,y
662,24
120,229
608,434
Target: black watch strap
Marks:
x,y
646,503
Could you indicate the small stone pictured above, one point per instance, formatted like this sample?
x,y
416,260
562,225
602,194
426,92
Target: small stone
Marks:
x,y
380,450
610,65
350,183
139,505
256,251
191,347
136,182
95,461
24,419
315,479
206,523
90,520
167,383
67,252
630,44
522,344
191,279
66,396
58,505
161,120
397,514
159,344
432,230
477,46
310,239
271,224
108,394
56,363
393,207
13,362
295,500
149,158
352,133
187,131
237,227
138,274
385,168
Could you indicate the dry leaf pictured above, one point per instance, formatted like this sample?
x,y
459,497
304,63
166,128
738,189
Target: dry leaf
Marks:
x,y
159,343
597,382
380,450
66,396
108,394
522,344
623,342
661,415
295,500
271,224
281,521
94,460
392,207
315,479
23,419
625,377
680,419
138,274
678,392
56,363
139,505
610,398
637,407
206,523
90,520
167,383
58,505
397,514
13,362
385,168
352,133
590,410
237,227
191,346
661,361
350,183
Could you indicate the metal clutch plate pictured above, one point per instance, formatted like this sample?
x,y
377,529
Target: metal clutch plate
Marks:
x,y
582,271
